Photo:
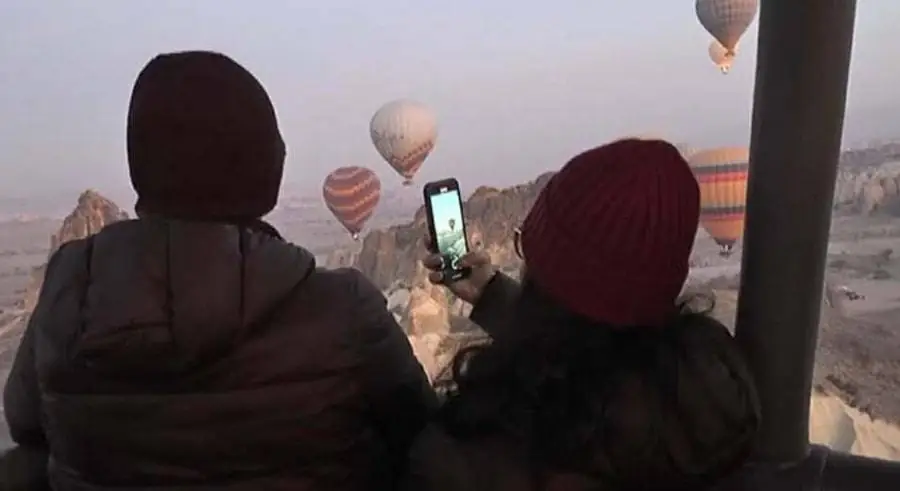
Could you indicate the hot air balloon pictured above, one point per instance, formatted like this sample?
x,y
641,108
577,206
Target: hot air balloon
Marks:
x,y
722,174
720,56
727,20
404,133
352,193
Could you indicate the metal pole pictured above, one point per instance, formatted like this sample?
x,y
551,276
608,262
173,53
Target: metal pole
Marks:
x,y
798,112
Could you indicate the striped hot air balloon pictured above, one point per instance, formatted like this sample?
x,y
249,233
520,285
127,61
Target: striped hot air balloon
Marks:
x,y
722,174
404,133
352,193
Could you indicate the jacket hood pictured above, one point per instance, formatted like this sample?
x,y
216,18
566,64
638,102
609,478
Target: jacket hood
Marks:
x,y
202,139
153,296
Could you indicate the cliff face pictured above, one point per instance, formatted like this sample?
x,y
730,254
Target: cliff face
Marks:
x,y
869,181
92,212
869,191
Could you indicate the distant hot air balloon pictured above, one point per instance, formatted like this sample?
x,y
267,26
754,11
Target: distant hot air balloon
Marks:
x,y
727,20
404,133
722,174
352,193
720,56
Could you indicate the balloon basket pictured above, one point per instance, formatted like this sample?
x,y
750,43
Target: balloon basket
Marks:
x,y
407,183
355,237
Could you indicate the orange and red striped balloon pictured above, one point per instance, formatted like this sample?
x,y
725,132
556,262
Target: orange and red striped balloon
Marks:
x,y
722,174
352,193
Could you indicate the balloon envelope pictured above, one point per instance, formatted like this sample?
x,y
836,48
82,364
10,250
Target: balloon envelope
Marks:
x,y
722,174
352,193
404,133
726,20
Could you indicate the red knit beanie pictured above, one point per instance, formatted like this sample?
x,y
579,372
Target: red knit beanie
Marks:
x,y
203,139
610,235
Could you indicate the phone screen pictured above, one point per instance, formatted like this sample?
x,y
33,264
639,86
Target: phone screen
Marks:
x,y
449,229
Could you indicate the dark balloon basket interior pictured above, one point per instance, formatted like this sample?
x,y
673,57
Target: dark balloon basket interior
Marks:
x,y
23,469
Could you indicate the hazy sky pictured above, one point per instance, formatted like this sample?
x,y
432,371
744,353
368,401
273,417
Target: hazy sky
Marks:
x,y
518,86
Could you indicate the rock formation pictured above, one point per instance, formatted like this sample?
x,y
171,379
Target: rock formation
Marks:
x,y
391,258
92,212
391,255
869,181
846,429
869,191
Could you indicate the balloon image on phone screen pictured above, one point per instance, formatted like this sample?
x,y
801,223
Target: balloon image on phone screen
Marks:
x,y
443,203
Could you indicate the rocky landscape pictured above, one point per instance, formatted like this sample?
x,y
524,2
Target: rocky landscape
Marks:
x,y
857,402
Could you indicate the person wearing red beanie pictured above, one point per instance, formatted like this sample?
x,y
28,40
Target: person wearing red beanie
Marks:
x,y
195,348
597,377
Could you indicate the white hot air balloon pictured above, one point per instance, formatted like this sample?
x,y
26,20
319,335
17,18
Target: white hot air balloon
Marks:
x,y
720,56
404,133
727,20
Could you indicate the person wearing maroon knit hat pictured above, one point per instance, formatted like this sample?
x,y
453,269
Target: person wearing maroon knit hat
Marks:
x,y
597,376
629,212
194,347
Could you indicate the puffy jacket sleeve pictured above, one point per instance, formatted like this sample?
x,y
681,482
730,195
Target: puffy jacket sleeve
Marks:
x,y
24,468
22,397
22,394
400,397
495,306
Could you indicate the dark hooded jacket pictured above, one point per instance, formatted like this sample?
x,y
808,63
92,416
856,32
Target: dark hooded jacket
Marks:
x,y
184,355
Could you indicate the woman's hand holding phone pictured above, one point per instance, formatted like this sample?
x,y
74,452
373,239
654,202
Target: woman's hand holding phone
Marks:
x,y
469,287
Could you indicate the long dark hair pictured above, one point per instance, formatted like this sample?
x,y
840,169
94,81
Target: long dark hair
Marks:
x,y
636,407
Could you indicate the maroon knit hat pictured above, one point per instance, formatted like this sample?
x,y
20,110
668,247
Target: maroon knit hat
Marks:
x,y
203,139
610,235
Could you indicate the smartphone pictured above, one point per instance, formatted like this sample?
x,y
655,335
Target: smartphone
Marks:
x,y
446,227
